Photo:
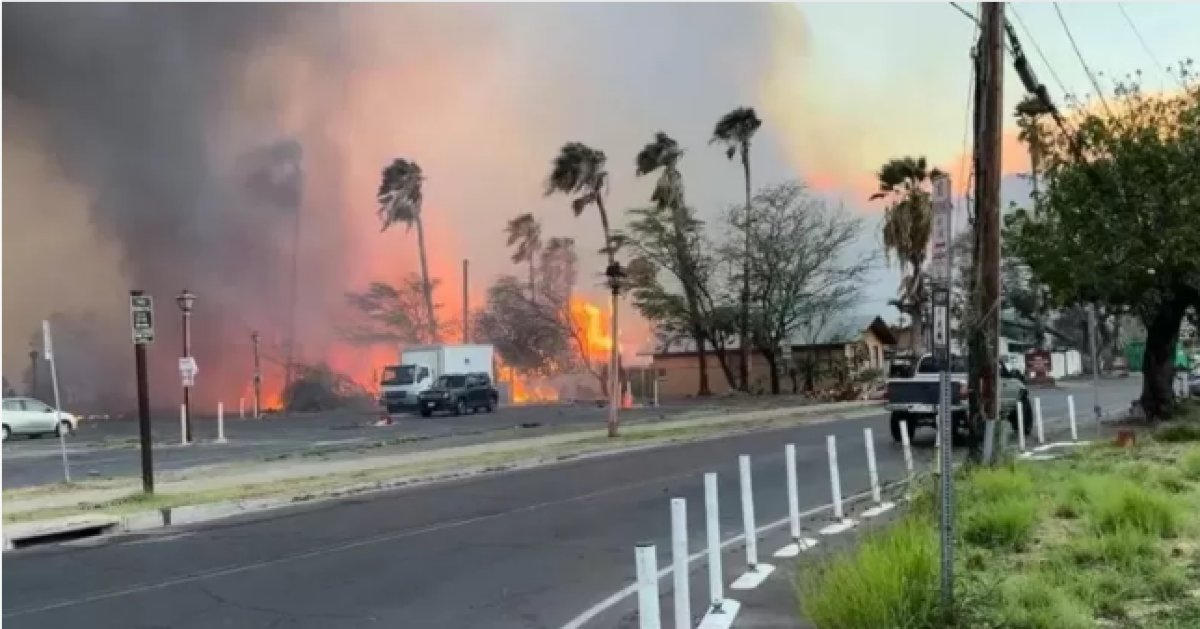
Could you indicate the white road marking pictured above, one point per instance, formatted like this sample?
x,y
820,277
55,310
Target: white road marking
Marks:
x,y
599,608
754,578
721,619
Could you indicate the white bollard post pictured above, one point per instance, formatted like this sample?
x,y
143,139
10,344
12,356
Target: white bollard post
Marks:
x,y
220,422
799,542
793,489
647,584
873,473
835,480
679,556
906,442
716,587
748,513
655,386
835,486
1071,417
1037,415
242,408
1021,419
183,424
756,572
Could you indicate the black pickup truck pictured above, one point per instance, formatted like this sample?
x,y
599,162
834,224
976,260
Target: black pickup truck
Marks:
x,y
458,393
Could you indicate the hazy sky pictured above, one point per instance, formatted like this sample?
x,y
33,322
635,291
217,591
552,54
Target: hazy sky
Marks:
x,y
482,96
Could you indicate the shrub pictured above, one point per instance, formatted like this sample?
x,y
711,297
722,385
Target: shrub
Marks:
x,y
1006,523
889,580
1125,505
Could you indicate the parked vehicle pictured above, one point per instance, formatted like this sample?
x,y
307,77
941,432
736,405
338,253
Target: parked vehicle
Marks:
x,y
459,393
27,416
420,367
915,399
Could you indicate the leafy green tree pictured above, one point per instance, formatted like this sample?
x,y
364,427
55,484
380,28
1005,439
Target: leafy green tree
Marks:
x,y
1118,221
400,198
525,233
667,235
735,130
907,226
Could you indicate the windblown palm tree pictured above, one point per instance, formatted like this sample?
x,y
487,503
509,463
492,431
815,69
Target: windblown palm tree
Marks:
x,y
525,232
663,154
907,227
735,130
400,202
578,171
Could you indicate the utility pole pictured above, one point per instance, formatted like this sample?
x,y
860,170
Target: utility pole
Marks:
x,y
257,376
466,313
985,343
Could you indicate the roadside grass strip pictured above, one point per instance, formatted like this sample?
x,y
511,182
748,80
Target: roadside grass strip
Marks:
x,y
1099,537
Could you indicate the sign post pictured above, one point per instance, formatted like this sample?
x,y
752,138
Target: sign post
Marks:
x,y
48,349
941,269
141,313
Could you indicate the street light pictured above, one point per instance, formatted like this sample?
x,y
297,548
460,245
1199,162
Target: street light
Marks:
x,y
186,301
616,277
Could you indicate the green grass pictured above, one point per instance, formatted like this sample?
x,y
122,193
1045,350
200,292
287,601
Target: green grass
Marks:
x,y
1189,465
1006,523
888,580
1125,504
1102,533
1178,432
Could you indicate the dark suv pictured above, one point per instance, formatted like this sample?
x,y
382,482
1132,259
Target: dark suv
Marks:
x,y
458,393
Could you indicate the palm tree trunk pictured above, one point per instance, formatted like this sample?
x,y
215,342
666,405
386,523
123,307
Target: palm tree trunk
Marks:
x,y
614,393
532,284
426,286
743,338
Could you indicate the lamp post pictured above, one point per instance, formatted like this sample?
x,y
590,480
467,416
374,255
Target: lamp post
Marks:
x,y
616,276
33,373
186,301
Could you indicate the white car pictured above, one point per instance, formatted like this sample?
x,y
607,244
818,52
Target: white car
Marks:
x,y
27,416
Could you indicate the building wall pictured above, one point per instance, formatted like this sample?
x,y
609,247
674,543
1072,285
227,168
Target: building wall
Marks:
x,y
679,376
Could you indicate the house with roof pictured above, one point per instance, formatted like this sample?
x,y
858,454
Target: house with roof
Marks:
x,y
814,356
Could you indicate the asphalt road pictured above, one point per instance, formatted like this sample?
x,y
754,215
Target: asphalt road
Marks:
x,y
525,549
107,449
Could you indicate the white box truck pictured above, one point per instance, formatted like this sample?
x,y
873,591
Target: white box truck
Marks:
x,y
421,365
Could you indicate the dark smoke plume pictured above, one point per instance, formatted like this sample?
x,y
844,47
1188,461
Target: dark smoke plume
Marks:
x,y
141,107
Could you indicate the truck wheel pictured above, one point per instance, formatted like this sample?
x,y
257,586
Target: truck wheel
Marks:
x,y
426,413
895,425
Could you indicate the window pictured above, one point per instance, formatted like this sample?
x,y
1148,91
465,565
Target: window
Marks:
x,y
929,364
399,374
36,406
14,405
452,382
423,374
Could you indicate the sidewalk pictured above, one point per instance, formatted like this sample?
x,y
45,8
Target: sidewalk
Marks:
x,y
269,483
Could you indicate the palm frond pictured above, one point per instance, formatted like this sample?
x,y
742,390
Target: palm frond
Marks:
x,y
735,129
400,195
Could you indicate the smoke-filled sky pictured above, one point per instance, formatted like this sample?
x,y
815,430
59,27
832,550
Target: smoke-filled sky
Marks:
x,y
131,131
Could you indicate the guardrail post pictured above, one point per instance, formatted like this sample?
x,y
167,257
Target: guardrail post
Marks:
x,y
716,586
1037,415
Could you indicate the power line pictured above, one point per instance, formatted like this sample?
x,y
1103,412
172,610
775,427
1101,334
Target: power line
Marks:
x,y
1086,69
969,15
1028,33
1142,41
